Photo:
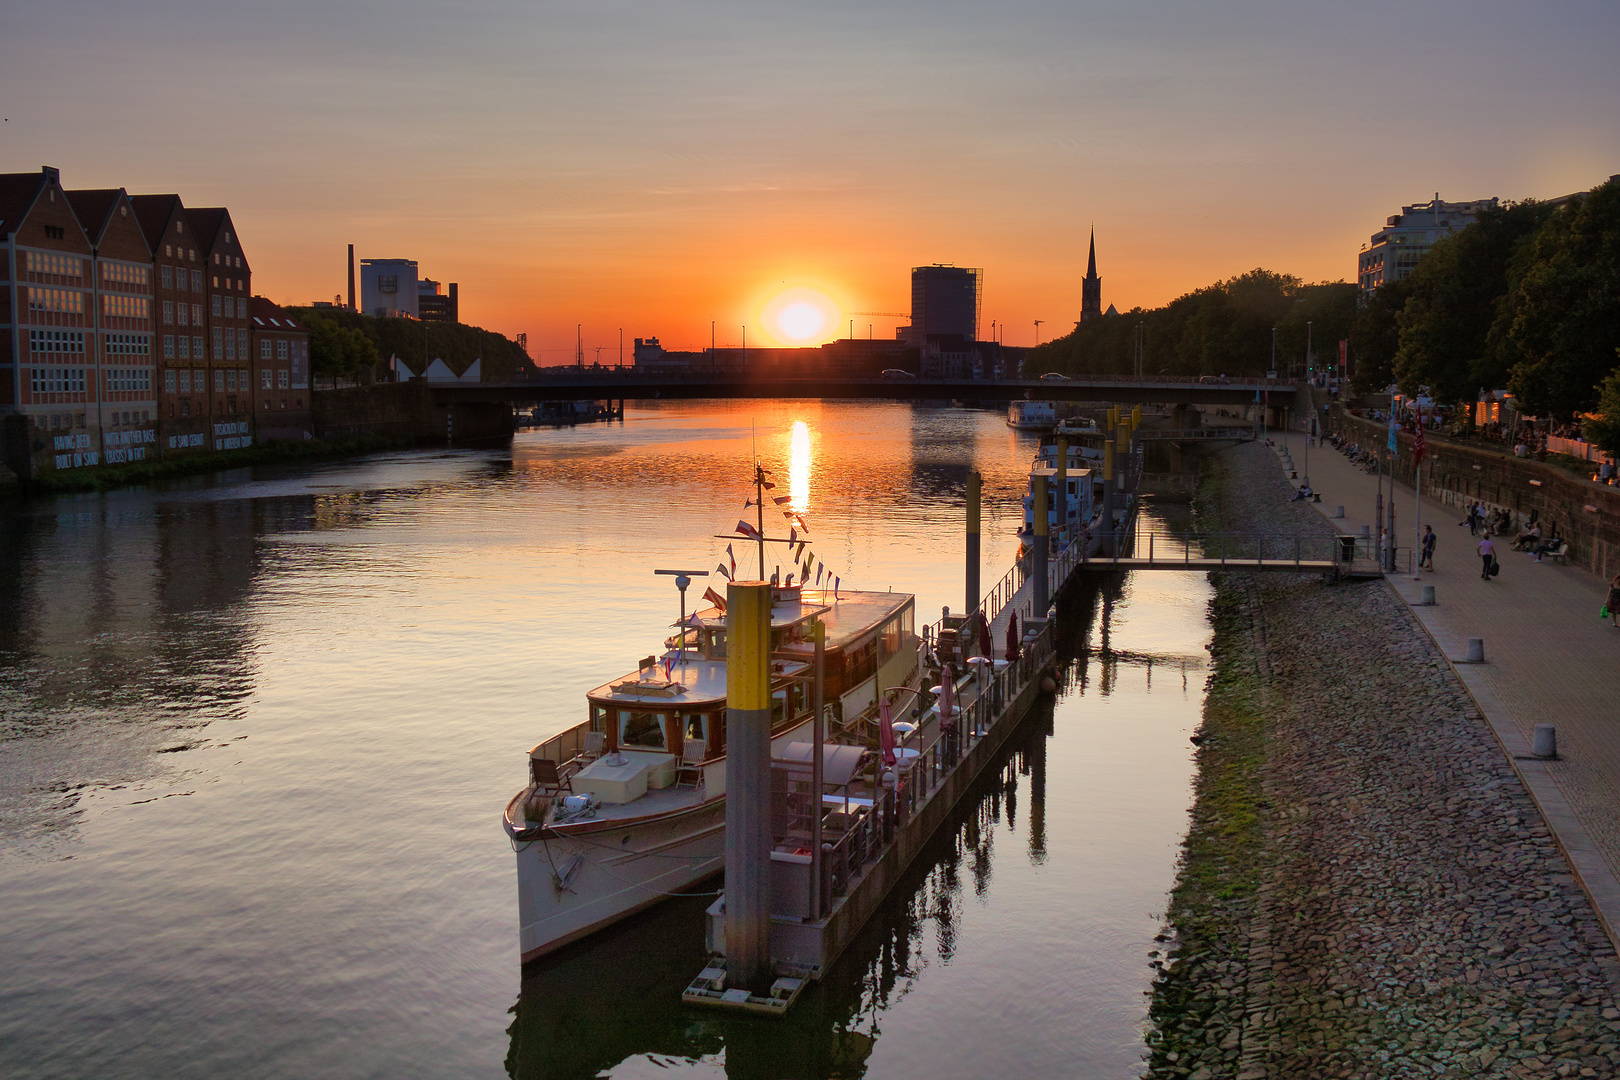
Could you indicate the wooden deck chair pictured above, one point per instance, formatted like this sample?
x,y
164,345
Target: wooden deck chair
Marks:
x,y
595,745
690,769
543,773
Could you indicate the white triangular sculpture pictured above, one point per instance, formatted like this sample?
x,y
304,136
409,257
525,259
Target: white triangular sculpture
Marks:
x,y
439,371
474,372
402,373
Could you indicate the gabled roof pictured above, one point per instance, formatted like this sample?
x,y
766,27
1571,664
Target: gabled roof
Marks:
x,y
17,194
154,212
206,222
94,207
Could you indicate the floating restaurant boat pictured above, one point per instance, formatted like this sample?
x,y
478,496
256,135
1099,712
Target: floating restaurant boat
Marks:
x,y
1032,415
1085,515
628,807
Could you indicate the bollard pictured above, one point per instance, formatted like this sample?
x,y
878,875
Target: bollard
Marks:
x,y
1338,511
1544,743
748,784
1428,596
1476,650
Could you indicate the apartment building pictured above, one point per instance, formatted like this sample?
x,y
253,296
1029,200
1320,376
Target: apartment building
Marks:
x,y
280,373
179,301
1393,251
227,280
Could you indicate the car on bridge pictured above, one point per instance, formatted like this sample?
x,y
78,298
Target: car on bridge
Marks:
x,y
895,373
1054,376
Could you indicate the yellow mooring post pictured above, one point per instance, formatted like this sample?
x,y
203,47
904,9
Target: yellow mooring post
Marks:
x,y
1062,497
1039,503
748,784
975,485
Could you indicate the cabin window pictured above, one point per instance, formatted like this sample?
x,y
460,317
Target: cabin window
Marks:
x,y
717,645
779,699
696,726
641,729
891,637
599,717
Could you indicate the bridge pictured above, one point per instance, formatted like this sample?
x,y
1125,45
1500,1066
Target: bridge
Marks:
x,y
591,384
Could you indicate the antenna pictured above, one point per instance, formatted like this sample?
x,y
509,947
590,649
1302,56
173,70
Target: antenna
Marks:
x,y
683,578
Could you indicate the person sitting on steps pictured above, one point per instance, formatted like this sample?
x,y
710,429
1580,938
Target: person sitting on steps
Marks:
x,y
1554,542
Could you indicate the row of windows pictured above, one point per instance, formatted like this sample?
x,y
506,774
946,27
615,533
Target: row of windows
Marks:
x,y
264,348
119,273
189,346
226,381
228,345
49,262
174,277
65,300
57,380
123,380
228,259
126,344
237,304
117,306
173,312
56,341
282,380
184,253
241,283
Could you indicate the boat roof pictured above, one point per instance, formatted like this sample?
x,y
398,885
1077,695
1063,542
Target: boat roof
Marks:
x,y
1070,472
693,683
846,615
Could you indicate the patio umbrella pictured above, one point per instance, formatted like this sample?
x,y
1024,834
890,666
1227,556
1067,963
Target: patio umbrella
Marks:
x,y
1012,636
947,698
886,730
985,644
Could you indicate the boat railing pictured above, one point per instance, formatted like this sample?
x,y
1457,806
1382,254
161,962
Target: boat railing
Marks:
x,y
565,748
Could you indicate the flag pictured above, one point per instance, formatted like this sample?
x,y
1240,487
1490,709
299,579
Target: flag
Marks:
x,y
1417,443
723,572
781,500
716,599
1393,427
800,519
768,485
836,582
747,530
820,566
793,538
733,556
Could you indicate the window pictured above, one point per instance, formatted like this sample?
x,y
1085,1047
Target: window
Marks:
x,y
216,263
281,350
168,349
196,314
695,726
241,304
185,406
168,249
281,381
230,345
216,300
181,312
179,277
168,277
264,381
219,343
641,729
185,348
56,341
230,381
168,382
219,382
197,345
241,343
264,349
196,278
196,281
185,381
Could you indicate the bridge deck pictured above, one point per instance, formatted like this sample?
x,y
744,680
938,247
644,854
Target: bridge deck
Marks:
x,y
1292,566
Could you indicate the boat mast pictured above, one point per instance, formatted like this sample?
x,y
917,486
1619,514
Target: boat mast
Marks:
x,y
759,506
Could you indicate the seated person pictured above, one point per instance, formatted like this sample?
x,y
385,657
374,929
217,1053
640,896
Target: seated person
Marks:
x,y
1553,543
1304,492
1527,539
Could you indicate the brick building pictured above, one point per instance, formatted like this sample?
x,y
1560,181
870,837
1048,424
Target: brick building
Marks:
x,y
227,280
179,300
280,373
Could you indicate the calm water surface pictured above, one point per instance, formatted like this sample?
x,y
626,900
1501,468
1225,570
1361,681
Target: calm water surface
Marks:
x,y
256,732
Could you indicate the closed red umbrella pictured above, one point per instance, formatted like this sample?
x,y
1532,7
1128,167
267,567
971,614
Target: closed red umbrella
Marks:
x,y
1012,636
985,644
947,698
886,730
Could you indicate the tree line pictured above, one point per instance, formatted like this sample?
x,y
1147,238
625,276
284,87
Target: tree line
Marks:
x,y
1526,298
1245,326
348,344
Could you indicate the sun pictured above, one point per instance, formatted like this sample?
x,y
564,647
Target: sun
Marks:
x,y
800,316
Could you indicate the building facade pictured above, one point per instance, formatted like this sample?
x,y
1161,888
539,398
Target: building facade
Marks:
x,y
389,288
1394,250
435,306
179,300
228,285
944,300
279,374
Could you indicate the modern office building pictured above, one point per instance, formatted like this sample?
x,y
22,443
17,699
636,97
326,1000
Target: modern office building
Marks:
x,y
944,300
435,306
389,288
1395,249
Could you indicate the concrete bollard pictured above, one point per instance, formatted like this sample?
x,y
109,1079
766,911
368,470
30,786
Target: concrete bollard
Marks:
x,y
1338,511
1544,743
1428,596
1476,650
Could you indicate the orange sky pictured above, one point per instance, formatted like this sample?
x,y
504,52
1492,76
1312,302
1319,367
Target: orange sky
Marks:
x,y
653,167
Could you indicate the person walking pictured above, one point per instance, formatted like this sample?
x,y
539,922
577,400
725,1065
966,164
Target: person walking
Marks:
x,y
1429,540
1614,600
1487,553
1470,521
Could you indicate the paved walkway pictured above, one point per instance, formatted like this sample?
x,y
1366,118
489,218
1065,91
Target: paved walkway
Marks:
x,y
1549,659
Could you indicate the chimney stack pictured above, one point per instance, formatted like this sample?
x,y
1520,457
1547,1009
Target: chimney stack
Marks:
x,y
351,277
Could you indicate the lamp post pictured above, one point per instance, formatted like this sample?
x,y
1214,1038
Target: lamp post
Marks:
x,y
1310,433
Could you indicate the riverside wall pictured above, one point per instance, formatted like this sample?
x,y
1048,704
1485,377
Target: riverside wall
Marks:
x,y
1366,889
1458,474
407,410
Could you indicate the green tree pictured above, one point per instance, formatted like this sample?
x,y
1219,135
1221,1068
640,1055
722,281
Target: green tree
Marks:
x,y
1454,293
1564,311
1605,430
336,350
1375,337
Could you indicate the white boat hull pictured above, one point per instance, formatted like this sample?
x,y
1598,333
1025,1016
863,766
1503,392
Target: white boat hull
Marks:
x,y
619,870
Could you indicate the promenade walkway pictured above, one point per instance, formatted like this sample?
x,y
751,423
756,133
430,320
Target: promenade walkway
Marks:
x,y
1549,659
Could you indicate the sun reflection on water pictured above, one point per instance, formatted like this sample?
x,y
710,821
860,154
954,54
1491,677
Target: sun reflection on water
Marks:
x,y
799,467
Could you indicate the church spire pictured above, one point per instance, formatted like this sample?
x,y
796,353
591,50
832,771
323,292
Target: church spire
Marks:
x,y
1091,288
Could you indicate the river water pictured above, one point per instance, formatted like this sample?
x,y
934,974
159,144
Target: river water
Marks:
x,y
256,731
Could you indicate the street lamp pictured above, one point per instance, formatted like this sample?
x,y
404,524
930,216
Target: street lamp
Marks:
x,y
1310,433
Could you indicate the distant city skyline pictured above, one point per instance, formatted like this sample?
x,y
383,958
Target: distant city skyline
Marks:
x,y
653,167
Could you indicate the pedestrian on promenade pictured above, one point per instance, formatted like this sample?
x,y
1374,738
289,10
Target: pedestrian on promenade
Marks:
x,y
1471,520
1613,605
1487,553
1429,540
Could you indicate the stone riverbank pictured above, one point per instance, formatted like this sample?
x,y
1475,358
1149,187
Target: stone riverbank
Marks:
x,y
1366,889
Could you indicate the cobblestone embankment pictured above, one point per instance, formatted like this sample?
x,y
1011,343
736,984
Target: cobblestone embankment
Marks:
x,y
1366,888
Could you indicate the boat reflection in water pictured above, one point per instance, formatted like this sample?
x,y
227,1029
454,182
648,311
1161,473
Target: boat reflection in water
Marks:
x,y
611,1006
